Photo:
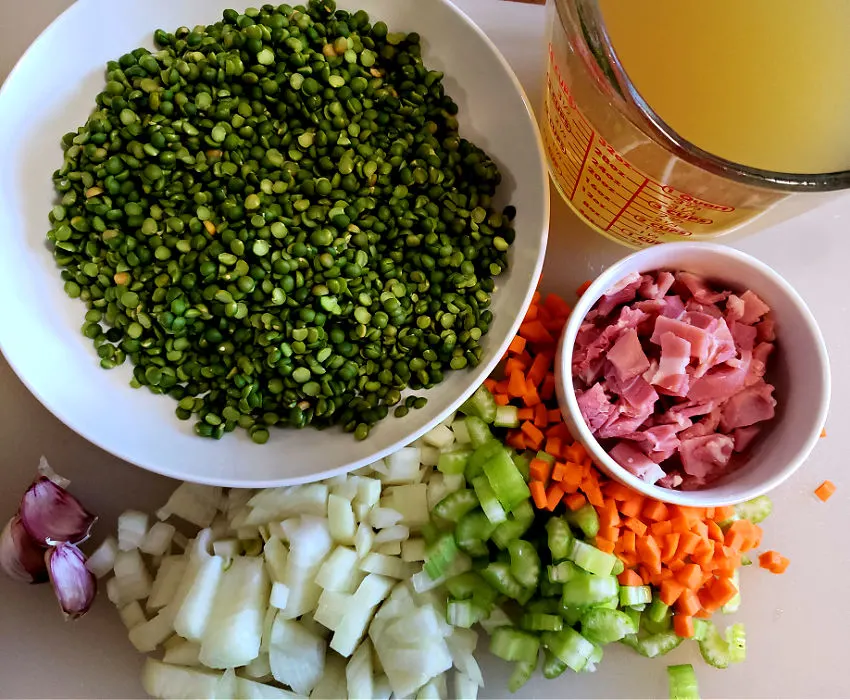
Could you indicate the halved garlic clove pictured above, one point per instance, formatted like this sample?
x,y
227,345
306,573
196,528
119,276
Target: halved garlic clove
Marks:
x,y
51,515
75,586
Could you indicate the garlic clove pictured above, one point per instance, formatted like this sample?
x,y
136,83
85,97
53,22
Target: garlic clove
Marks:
x,y
52,515
75,586
21,557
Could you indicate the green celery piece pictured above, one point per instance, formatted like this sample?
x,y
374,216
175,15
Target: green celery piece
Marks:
x,y
559,537
542,622
603,625
511,644
563,572
464,613
489,502
652,645
480,456
682,682
480,405
585,589
454,461
754,510
498,575
479,432
631,596
552,665
509,486
521,674
456,504
525,563
522,464
591,559
506,417
586,519
440,555
570,647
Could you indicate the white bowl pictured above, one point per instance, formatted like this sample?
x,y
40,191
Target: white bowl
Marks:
x,y
52,91
799,370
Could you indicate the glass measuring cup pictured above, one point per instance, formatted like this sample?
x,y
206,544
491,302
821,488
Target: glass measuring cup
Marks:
x,y
626,173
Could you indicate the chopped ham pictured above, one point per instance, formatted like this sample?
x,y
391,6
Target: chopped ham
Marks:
x,y
744,437
751,405
658,287
699,288
621,293
595,406
706,457
754,308
696,337
636,462
669,374
627,356
675,356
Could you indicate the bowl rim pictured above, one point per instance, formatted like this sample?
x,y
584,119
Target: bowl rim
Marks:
x,y
172,469
569,403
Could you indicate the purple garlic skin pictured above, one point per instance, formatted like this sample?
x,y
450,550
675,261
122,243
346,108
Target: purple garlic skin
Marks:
x,y
21,557
75,586
51,515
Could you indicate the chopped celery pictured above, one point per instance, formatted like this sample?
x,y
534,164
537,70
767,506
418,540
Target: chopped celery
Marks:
x,y
571,614
603,625
453,462
682,682
720,652
563,572
470,585
440,555
508,485
522,465
570,647
457,504
619,567
498,575
545,457
511,644
654,644
754,510
472,532
506,417
735,603
552,665
588,589
591,559
489,503
521,674
542,622
560,538
737,639
550,588
464,613
479,456
515,526
631,596
586,519
480,405
657,617
525,563
543,605
701,629
634,615
478,431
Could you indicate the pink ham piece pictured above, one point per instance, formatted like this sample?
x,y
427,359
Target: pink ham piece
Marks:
x,y
627,356
699,288
758,365
754,308
743,335
744,437
588,360
749,406
696,307
671,377
722,382
706,426
766,330
706,457
723,347
621,293
636,462
734,308
595,406
698,339
659,442
656,288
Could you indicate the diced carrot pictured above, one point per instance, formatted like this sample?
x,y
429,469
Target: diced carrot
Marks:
x,y
516,384
635,526
661,528
532,432
671,543
683,625
607,532
592,491
538,494
540,470
547,388
525,414
604,545
722,590
532,313
541,416
632,507
703,615
616,490
534,332
559,430
722,513
629,578
676,565
703,553
688,542
655,510
531,397
516,439
645,574
700,528
769,560
825,490
554,417
556,305
649,552
554,496
734,539
670,590
490,384
539,367
629,540
559,471
714,531
502,386
553,445
517,345
781,566
514,365
823,432
501,399
574,501
688,603
680,524
575,453
572,476
709,513
582,288
608,514
690,576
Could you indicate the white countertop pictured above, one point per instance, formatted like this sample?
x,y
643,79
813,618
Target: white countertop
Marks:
x,y
797,624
